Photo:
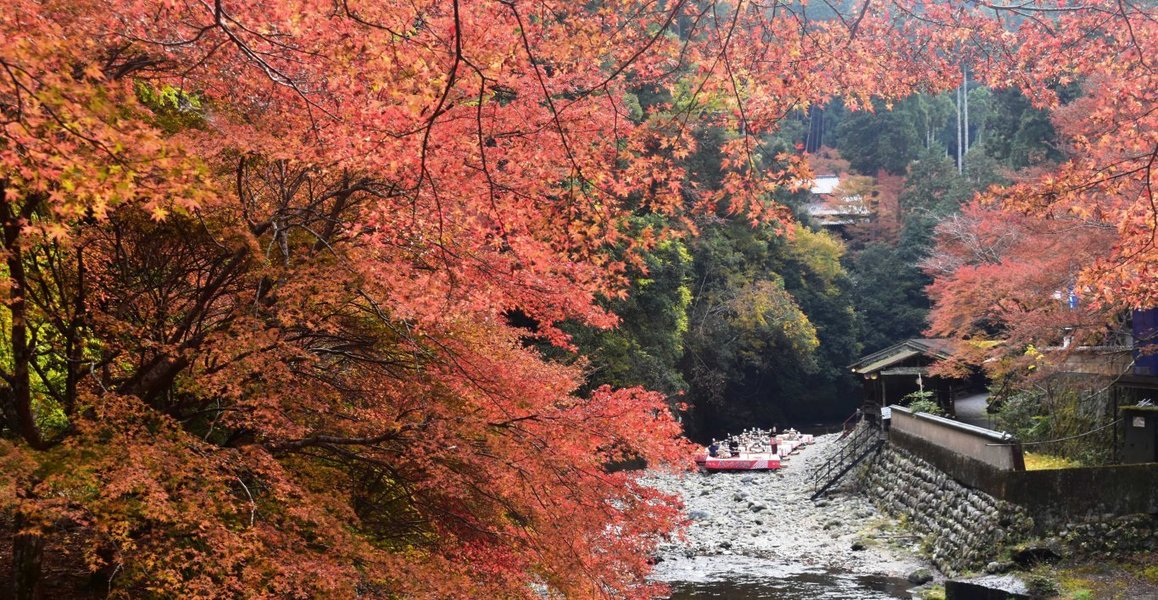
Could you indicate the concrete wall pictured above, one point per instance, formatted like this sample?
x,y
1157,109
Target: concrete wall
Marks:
x,y
1108,361
983,445
962,468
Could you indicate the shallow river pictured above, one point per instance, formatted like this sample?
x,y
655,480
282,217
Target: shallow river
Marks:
x,y
739,578
759,535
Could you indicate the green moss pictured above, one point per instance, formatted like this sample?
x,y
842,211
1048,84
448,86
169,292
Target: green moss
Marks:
x,y
936,592
1042,583
1110,580
1041,462
926,546
1074,584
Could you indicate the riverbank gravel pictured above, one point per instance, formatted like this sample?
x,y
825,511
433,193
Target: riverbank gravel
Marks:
x,y
768,515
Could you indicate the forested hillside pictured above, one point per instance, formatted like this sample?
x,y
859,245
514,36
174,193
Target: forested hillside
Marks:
x,y
752,325
344,299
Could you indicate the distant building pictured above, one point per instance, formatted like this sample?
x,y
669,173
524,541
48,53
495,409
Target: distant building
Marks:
x,y
830,209
825,185
1124,380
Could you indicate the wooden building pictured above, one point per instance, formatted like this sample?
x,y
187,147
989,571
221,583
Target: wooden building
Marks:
x,y
891,374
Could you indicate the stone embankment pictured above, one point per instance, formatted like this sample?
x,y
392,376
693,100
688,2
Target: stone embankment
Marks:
x,y
768,515
1111,535
962,529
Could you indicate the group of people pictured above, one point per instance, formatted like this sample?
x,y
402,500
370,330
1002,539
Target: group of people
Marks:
x,y
754,440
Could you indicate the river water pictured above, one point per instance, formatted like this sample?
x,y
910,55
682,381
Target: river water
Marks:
x,y
742,578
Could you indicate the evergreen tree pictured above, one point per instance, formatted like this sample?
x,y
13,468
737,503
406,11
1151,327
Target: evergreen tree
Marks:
x,y
885,139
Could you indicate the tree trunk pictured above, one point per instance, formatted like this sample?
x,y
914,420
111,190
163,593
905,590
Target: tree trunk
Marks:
x,y
27,556
965,97
960,153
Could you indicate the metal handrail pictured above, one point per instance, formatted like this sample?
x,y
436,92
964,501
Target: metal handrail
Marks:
x,y
850,452
844,428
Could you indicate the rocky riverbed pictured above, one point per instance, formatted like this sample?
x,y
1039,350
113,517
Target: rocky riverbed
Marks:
x,y
764,521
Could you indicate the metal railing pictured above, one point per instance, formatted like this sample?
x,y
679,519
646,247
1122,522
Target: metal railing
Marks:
x,y
863,442
850,424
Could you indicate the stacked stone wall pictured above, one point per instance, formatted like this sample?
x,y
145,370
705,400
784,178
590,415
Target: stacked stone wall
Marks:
x,y
1110,535
963,529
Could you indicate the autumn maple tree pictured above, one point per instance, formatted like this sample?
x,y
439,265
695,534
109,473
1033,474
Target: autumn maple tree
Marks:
x,y
1056,258
261,262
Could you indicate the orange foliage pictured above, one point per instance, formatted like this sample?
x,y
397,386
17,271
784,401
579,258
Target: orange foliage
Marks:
x,y
827,161
883,195
1010,277
261,258
1006,268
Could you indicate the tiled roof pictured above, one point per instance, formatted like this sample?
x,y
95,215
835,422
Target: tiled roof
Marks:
x,y
939,348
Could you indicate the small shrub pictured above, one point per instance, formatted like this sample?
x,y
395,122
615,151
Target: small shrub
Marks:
x,y
924,402
1041,585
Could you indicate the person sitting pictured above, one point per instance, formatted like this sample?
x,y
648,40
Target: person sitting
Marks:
x,y
714,449
734,447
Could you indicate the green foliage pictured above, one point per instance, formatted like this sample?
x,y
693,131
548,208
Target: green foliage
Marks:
x,y
764,316
814,274
1022,416
744,322
924,401
646,347
1016,133
932,115
930,186
980,112
175,109
770,327
885,139
634,108
1062,418
48,375
888,289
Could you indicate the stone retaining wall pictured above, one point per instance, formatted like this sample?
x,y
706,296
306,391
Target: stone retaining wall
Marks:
x,y
1109,536
1054,498
964,529
1060,496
